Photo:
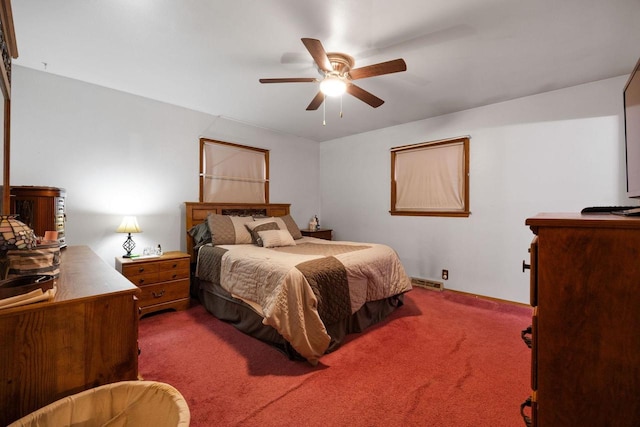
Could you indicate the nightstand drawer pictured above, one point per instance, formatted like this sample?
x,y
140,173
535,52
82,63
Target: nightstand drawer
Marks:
x,y
143,279
322,233
133,269
163,292
164,276
174,264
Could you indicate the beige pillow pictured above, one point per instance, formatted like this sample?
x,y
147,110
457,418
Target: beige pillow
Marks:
x,y
276,238
229,230
260,225
292,227
284,223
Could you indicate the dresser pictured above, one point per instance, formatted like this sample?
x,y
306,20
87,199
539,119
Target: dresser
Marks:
x,y
41,208
164,281
585,290
86,337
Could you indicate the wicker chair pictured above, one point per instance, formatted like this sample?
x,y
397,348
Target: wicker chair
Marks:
x,y
125,403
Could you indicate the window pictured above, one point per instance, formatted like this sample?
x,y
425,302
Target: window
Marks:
x,y
431,178
233,173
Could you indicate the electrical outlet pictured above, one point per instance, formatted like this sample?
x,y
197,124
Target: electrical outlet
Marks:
x,y
445,274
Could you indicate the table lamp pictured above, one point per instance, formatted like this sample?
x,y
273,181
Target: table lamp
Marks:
x,y
129,225
14,234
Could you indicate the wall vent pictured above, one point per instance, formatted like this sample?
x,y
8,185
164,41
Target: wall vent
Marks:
x,y
427,284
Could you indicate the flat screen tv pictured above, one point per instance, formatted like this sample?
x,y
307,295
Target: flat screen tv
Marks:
x,y
632,132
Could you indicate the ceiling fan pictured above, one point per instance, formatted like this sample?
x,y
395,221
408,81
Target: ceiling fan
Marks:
x,y
338,75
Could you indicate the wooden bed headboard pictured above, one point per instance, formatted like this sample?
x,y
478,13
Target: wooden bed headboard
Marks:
x,y
196,212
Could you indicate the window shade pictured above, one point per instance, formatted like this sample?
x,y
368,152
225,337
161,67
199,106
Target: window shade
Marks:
x,y
233,174
430,178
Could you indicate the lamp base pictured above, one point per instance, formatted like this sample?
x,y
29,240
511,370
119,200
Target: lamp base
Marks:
x,y
128,246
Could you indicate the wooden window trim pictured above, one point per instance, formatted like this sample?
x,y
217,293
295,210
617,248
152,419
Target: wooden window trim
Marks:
x,y
265,152
453,213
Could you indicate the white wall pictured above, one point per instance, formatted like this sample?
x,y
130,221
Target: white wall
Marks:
x,y
118,154
557,151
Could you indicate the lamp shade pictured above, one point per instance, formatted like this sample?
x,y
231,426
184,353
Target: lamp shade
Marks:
x,y
129,224
333,86
15,234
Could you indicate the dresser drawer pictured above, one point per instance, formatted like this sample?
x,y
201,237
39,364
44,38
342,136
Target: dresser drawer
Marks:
x,y
533,278
163,292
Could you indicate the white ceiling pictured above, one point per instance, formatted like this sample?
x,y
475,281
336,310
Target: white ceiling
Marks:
x,y
208,55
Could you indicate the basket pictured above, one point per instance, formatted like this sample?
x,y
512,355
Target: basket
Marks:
x,y
43,259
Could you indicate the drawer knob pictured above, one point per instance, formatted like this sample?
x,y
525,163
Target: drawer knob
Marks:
x,y
175,266
526,418
141,269
527,336
141,282
525,266
159,294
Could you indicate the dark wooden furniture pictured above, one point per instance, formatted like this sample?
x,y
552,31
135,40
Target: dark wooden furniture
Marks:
x,y
9,50
321,233
87,336
41,208
164,281
196,212
585,272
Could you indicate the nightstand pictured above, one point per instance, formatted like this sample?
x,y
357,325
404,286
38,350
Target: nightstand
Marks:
x,y
164,280
322,233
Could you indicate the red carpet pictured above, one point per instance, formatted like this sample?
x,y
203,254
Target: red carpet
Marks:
x,y
443,359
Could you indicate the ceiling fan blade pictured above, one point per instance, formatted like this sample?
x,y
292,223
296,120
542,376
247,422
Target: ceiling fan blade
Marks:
x,y
290,80
382,68
364,96
318,53
316,101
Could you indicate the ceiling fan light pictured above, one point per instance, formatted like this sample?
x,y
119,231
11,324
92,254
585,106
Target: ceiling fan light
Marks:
x,y
333,86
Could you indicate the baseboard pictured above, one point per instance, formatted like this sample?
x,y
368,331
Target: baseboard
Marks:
x,y
484,297
427,284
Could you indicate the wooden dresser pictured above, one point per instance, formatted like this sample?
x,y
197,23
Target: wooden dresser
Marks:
x,y
87,336
164,281
585,290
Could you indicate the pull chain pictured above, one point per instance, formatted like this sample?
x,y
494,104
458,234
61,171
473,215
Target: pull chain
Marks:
x,y
324,111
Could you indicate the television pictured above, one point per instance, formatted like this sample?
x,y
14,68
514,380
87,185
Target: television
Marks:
x,y
632,132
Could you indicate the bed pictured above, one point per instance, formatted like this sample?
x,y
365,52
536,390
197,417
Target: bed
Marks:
x,y
300,294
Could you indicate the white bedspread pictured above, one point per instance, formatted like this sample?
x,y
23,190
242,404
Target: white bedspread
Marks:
x,y
269,278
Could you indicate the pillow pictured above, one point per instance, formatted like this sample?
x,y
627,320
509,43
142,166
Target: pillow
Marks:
x,y
292,227
201,234
276,238
278,220
266,220
261,225
229,230
285,223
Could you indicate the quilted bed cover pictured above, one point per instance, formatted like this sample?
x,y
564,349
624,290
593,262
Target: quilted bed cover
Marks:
x,y
291,285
